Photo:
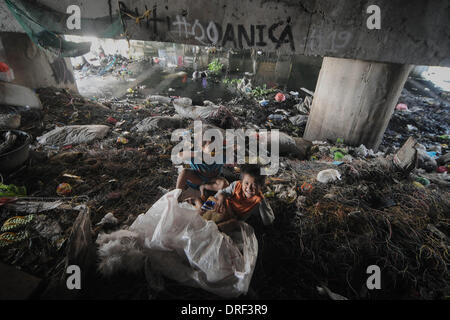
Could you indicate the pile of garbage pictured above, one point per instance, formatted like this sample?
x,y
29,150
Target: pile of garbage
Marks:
x,y
339,209
115,65
272,108
327,234
35,231
426,119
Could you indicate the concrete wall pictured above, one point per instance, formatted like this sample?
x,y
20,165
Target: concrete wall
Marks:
x,y
412,31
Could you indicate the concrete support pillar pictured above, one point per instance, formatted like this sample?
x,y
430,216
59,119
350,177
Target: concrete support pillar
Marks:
x,y
354,100
34,67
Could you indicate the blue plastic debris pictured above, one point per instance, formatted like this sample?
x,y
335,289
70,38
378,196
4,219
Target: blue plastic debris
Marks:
x,y
432,154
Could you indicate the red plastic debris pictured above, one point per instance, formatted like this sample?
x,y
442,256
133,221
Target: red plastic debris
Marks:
x,y
441,169
111,120
4,67
401,107
306,187
279,97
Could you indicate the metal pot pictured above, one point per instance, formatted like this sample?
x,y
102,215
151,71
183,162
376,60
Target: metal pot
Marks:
x,y
15,158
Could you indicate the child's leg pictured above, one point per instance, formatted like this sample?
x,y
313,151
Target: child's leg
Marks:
x,y
214,184
187,174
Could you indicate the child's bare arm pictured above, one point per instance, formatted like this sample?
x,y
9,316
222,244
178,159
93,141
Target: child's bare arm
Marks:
x,y
222,195
220,203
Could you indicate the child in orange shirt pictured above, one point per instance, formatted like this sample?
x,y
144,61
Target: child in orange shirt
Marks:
x,y
240,200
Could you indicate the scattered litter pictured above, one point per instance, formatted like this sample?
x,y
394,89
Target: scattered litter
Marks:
x,y
122,140
6,73
16,222
401,107
108,219
279,97
111,120
299,120
66,135
276,117
264,103
12,190
10,238
159,122
307,91
441,169
64,189
9,118
329,175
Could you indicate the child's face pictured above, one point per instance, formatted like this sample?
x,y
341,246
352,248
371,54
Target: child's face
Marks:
x,y
249,186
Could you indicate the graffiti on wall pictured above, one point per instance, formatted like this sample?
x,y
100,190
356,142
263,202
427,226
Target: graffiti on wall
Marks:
x,y
238,36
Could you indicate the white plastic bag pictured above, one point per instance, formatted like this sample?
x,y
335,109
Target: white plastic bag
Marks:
x,y
76,134
328,175
184,247
194,112
158,122
157,98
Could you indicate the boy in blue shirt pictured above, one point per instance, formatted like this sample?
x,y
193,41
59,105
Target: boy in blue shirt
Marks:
x,y
201,176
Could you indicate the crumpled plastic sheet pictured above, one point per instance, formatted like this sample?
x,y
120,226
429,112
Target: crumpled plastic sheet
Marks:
x,y
158,122
76,134
194,112
33,206
184,247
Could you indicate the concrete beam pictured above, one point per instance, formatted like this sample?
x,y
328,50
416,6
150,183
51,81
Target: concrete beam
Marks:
x,y
354,100
418,35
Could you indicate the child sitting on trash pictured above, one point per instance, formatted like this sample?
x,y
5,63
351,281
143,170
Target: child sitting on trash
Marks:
x,y
238,201
201,176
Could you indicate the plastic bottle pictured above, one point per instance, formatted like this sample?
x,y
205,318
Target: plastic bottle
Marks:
x,y
276,117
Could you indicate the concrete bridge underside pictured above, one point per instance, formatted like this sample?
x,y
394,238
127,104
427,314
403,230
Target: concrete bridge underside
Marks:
x,y
363,71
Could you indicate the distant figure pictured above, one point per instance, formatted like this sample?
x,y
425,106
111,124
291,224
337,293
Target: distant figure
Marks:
x,y
101,53
196,75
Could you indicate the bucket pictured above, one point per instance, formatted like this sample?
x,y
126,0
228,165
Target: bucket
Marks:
x,y
15,158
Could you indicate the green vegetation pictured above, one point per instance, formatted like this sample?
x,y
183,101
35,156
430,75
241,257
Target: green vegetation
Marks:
x,y
232,82
215,66
258,92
